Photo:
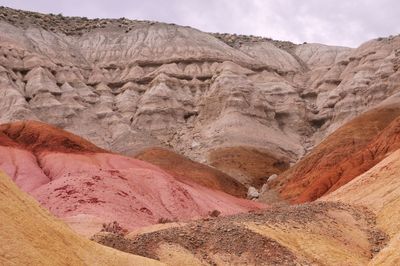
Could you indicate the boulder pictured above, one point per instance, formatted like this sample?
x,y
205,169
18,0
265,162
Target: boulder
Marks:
x,y
252,193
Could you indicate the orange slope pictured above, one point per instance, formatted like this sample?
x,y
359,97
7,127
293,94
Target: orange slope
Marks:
x,y
36,136
348,152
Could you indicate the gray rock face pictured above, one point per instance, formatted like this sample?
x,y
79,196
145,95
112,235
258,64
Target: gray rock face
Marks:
x,y
252,193
263,189
272,177
126,85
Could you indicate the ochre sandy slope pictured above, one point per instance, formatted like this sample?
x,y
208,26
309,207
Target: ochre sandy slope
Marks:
x,y
348,152
30,236
310,234
186,170
390,254
379,190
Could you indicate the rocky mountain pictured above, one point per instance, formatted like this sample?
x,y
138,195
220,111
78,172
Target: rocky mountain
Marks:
x,y
147,137
126,85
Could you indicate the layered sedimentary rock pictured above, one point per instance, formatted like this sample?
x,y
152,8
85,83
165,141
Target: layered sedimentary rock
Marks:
x,y
127,85
87,186
295,123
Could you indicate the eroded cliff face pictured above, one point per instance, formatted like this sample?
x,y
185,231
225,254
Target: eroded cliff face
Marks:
x,y
126,85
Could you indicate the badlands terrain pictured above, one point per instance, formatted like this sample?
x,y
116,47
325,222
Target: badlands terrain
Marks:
x,y
168,145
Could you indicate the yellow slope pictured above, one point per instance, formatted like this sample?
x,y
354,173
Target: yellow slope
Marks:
x,y
379,190
334,237
30,236
390,255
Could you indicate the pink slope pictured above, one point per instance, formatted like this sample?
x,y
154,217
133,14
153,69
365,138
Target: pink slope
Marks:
x,y
89,188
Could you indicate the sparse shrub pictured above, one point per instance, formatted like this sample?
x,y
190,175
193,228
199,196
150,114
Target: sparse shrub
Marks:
x,y
114,228
214,213
163,220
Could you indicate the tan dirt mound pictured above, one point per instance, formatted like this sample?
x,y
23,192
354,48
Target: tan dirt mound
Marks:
x,y
310,234
186,170
249,165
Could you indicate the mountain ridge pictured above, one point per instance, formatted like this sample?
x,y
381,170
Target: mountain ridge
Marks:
x,y
152,133
176,87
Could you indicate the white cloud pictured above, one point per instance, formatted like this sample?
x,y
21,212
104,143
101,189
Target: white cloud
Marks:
x,y
335,22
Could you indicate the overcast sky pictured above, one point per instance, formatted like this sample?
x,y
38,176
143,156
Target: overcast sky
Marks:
x,y
335,22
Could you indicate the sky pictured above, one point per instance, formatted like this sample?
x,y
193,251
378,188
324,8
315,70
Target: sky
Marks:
x,y
333,22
